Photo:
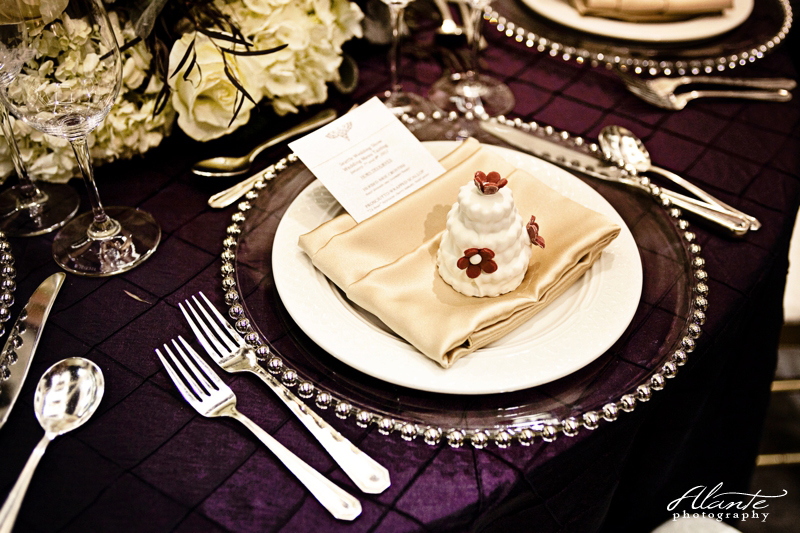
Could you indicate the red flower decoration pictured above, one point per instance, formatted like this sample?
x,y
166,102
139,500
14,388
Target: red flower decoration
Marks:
x,y
489,183
482,261
533,233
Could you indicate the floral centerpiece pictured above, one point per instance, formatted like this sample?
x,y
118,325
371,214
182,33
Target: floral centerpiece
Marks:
x,y
208,62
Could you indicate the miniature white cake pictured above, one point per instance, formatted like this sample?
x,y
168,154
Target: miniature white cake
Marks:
x,y
486,246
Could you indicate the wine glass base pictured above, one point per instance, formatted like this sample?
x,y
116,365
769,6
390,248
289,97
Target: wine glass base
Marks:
x,y
480,94
55,207
403,103
80,254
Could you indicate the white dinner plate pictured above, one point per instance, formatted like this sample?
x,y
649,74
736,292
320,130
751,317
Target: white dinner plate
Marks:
x,y
693,29
567,335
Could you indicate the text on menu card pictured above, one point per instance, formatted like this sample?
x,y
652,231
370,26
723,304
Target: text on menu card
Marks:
x,y
367,159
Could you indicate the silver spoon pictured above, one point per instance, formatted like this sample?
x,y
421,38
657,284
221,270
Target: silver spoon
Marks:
x,y
224,166
66,397
623,148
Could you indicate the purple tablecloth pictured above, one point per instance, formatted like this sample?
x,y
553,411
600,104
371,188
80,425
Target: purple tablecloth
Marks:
x,y
148,462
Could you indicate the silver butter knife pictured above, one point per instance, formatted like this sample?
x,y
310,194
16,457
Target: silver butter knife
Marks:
x,y
553,147
15,359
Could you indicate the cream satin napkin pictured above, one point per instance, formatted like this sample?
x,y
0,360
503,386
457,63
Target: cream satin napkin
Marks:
x,y
649,10
387,264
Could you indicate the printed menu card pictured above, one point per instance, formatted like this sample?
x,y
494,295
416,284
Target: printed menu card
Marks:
x,y
367,159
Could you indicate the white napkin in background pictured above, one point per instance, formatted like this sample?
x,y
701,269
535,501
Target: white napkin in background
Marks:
x,y
650,10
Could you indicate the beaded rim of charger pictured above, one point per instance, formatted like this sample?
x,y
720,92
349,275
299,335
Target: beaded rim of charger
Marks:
x,y
639,65
547,429
7,288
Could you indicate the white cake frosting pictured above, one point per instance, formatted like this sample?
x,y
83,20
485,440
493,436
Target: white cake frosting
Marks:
x,y
476,222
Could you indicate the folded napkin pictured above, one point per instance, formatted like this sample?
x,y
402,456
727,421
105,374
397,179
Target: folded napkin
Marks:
x,y
649,10
387,263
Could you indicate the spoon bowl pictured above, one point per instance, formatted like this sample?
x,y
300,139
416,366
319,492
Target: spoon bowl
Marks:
x,y
67,395
623,148
222,166
225,167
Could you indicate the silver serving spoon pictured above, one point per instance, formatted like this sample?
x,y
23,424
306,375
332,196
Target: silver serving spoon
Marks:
x,y
623,148
66,397
223,167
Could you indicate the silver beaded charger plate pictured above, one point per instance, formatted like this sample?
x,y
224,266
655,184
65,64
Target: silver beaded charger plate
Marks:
x,y
651,351
690,29
766,26
571,332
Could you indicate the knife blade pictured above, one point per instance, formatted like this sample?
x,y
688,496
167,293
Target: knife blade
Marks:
x,y
15,359
553,148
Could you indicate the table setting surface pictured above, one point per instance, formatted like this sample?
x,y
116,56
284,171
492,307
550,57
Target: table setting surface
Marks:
x,y
147,461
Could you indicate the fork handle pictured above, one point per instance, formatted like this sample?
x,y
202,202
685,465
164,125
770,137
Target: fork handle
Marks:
x,y
337,501
781,95
368,475
703,195
757,83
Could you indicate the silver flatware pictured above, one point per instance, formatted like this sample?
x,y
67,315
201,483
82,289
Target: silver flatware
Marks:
x,y
228,349
661,91
225,198
588,160
211,397
66,397
236,166
16,356
623,148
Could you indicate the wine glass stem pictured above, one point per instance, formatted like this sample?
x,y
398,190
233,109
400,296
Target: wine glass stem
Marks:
x,y
396,21
476,15
26,187
102,225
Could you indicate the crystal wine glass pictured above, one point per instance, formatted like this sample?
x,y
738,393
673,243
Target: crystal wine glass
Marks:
x,y
67,87
399,101
26,209
471,90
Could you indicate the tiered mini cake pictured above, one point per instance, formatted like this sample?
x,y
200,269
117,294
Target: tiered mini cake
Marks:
x,y
486,246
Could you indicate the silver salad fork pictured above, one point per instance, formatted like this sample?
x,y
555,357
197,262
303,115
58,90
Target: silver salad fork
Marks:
x,y
661,91
210,397
229,350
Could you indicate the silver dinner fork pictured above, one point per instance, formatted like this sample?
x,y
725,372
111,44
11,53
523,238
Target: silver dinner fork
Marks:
x,y
661,91
229,350
210,397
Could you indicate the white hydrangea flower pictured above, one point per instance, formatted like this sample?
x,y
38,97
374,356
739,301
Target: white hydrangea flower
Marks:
x,y
129,129
313,30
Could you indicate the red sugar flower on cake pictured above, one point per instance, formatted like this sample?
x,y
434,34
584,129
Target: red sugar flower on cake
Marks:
x,y
533,233
476,260
489,183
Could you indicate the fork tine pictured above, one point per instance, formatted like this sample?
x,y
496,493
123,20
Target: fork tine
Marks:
x,y
198,326
216,382
630,79
230,329
650,97
189,394
197,381
214,324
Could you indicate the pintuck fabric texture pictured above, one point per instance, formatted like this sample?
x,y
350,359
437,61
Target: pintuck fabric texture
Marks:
x,y
147,462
